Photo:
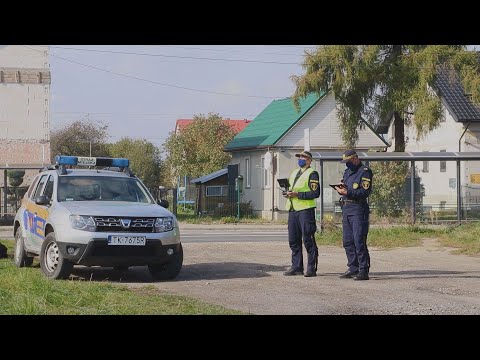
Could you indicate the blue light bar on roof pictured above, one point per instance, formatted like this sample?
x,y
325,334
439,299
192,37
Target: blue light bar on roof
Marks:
x,y
66,160
91,161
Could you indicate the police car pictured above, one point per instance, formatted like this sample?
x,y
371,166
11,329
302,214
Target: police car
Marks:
x,y
95,217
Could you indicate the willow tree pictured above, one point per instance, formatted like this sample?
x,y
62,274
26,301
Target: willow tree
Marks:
x,y
375,82
197,149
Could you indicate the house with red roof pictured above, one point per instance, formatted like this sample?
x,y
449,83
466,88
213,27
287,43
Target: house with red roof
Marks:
x,y
236,125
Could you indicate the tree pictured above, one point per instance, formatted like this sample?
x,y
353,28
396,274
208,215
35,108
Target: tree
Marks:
x,y
79,138
145,161
374,82
198,149
388,198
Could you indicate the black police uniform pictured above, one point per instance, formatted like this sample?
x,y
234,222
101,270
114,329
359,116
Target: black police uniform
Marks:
x,y
303,223
356,218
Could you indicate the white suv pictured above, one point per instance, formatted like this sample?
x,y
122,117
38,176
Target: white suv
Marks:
x,y
95,217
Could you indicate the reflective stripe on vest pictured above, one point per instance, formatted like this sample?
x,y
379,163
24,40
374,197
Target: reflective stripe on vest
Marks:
x,y
300,186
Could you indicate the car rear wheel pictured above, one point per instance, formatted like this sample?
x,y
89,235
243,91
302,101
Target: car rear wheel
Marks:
x,y
170,270
20,255
52,263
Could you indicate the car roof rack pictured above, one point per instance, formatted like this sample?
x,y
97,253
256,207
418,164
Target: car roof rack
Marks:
x,y
121,164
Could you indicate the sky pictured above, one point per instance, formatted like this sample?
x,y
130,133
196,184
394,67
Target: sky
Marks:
x,y
140,91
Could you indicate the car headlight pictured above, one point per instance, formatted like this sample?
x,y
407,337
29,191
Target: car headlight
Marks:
x,y
82,222
164,224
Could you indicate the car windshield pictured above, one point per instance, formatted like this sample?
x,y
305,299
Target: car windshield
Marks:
x,y
101,188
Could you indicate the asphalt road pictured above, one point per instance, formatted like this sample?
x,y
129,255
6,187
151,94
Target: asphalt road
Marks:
x,y
209,236
194,235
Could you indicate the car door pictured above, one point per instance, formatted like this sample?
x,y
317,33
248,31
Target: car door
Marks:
x,y
34,217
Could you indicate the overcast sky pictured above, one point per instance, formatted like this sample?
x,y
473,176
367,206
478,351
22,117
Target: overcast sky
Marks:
x,y
106,85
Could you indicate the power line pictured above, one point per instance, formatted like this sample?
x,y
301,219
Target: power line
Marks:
x,y
176,56
230,50
297,46
138,114
154,82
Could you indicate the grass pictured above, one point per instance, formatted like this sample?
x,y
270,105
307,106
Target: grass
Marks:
x,y
25,291
384,238
466,238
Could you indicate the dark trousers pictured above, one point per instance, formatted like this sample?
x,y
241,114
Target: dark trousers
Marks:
x,y
302,224
355,231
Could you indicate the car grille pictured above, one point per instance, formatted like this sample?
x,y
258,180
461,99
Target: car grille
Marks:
x,y
115,224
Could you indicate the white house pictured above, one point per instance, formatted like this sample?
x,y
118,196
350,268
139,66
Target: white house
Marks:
x,y
265,150
459,131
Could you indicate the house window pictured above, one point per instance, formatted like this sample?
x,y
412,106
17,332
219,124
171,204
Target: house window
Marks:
x,y
443,164
247,173
216,191
425,167
442,205
265,177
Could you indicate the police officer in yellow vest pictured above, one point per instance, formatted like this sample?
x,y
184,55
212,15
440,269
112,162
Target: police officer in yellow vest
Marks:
x,y
304,189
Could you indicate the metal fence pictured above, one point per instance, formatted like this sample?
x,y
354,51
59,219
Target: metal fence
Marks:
x,y
446,191
223,202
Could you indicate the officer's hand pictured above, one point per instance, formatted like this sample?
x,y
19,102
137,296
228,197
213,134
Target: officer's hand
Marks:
x,y
291,194
341,191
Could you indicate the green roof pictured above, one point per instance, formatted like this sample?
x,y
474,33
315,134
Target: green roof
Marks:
x,y
272,123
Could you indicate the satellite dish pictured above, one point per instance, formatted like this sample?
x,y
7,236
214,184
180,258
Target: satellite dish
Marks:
x,y
268,160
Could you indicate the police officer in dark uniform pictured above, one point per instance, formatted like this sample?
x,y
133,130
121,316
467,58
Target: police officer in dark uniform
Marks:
x,y
304,183
357,181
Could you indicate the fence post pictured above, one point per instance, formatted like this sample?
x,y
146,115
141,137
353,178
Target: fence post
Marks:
x,y
174,201
412,191
238,203
5,190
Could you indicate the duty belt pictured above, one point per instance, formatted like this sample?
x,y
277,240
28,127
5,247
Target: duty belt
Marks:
x,y
353,201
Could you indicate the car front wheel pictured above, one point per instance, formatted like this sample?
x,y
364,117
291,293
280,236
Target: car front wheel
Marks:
x,y
20,256
52,263
170,270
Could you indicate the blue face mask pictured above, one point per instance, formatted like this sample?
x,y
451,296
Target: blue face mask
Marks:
x,y
351,166
302,162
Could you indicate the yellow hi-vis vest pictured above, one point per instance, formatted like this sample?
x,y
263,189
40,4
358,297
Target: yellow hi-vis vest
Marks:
x,y
300,186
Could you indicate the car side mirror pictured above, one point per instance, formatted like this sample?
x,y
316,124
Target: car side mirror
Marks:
x,y
163,203
42,200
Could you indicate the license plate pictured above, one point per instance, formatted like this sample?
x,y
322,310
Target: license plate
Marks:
x,y
127,240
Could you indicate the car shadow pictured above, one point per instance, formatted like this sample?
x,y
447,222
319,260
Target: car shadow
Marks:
x,y
192,272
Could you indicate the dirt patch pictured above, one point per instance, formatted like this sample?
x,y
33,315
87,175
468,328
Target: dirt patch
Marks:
x,y
249,277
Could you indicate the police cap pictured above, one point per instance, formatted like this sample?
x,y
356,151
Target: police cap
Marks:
x,y
348,155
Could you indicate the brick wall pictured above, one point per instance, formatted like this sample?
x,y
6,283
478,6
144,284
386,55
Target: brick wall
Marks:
x,y
18,152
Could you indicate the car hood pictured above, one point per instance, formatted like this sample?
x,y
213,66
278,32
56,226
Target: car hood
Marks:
x,y
115,208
